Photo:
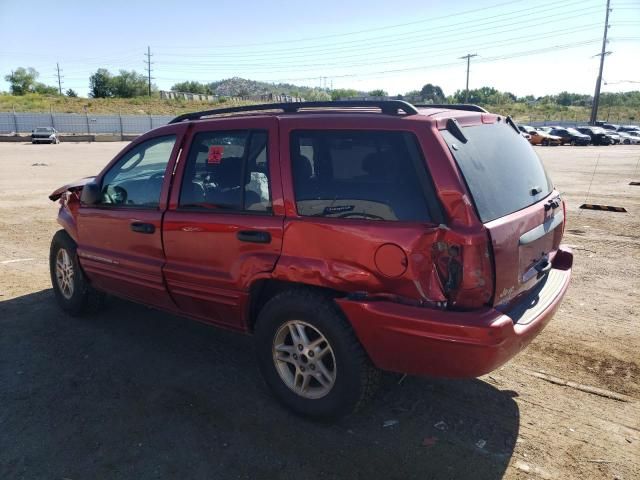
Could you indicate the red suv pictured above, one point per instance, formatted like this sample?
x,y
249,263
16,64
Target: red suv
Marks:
x,y
347,237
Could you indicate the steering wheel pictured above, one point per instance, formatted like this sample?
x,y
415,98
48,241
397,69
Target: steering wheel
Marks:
x,y
361,215
118,196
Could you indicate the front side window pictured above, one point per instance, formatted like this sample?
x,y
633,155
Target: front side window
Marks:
x,y
136,179
227,171
372,175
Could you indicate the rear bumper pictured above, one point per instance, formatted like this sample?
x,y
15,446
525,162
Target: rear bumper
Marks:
x,y
421,341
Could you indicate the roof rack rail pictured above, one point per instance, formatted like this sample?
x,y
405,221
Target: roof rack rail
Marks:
x,y
389,107
453,106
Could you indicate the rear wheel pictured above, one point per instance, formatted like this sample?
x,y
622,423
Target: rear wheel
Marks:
x,y
310,357
73,293
545,143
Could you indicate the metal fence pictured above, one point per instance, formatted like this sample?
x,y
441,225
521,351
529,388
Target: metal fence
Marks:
x,y
11,123
80,123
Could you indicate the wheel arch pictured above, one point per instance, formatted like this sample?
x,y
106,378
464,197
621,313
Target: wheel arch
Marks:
x,y
263,290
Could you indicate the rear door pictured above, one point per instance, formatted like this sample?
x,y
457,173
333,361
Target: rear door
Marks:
x,y
362,214
224,226
119,240
514,199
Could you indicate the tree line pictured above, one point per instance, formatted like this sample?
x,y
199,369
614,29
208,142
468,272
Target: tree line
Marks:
x,y
129,84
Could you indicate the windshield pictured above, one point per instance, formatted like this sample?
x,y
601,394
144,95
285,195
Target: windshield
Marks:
x,y
502,171
44,130
573,131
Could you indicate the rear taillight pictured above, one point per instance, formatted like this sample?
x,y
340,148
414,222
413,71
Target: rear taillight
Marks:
x,y
465,269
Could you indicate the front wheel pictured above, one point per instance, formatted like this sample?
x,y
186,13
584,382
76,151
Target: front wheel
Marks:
x,y
545,143
310,357
70,287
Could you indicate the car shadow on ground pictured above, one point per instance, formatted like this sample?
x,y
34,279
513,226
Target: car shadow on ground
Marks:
x,y
131,392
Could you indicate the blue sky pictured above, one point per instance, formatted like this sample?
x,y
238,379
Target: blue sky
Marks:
x,y
524,47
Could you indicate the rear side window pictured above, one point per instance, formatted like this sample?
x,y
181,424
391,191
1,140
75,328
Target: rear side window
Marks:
x,y
372,175
227,171
502,171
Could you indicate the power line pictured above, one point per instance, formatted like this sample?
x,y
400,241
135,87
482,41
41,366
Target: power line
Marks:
x,y
401,39
427,48
603,53
340,35
553,48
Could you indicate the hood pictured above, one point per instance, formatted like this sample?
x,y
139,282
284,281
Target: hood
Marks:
x,y
70,187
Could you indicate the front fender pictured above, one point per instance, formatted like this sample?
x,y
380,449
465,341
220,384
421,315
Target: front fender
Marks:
x,y
67,215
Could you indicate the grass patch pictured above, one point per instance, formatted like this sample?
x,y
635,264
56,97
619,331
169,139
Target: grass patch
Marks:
x,y
521,112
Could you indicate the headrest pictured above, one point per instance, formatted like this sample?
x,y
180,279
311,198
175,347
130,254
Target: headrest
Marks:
x,y
377,164
302,166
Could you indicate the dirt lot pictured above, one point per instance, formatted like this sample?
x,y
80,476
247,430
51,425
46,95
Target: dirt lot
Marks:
x,y
134,393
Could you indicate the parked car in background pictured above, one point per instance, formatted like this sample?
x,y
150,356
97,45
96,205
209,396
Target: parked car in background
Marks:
x,y
629,128
627,138
539,137
608,126
634,133
44,135
571,136
598,135
346,237
544,129
613,135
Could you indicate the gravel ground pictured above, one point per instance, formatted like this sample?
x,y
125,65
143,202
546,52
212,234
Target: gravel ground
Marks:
x,y
135,393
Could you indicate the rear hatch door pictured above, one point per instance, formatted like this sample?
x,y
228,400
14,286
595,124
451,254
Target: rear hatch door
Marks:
x,y
515,200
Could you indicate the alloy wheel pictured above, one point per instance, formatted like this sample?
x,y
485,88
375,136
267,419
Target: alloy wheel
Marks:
x,y
304,359
64,273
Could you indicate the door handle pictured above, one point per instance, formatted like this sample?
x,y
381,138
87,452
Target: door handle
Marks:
x,y
254,236
141,227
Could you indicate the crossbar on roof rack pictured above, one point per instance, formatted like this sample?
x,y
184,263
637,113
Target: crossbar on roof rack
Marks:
x,y
389,107
453,106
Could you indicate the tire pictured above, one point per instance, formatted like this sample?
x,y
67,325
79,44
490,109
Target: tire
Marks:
x,y
339,380
573,143
70,286
545,143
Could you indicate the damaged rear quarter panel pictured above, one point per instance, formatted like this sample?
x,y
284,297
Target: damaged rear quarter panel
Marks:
x,y
340,254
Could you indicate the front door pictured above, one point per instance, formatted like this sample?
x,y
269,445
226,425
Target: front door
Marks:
x,y
223,228
119,239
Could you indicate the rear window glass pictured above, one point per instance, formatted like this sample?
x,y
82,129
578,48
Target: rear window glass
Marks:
x,y
372,175
502,171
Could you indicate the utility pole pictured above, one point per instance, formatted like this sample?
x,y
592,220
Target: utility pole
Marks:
x,y
602,54
59,78
148,62
468,56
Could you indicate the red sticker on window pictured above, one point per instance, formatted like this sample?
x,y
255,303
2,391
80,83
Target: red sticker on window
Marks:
x,y
215,154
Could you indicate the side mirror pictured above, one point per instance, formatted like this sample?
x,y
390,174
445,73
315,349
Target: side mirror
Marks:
x,y
91,194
